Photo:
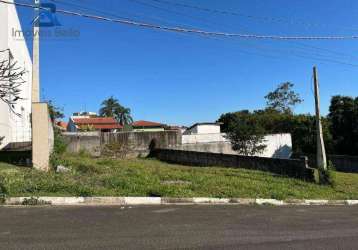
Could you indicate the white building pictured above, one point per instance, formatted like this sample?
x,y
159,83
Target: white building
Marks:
x,y
15,128
203,128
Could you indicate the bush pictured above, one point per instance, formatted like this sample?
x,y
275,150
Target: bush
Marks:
x,y
327,177
87,168
83,191
59,148
3,190
34,201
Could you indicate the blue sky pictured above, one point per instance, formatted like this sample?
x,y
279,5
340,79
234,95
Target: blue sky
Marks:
x,y
182,79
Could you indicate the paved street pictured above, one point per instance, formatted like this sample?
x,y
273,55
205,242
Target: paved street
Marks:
x,y
179,227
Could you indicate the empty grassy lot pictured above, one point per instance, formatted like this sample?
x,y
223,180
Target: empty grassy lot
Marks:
x,y
148,177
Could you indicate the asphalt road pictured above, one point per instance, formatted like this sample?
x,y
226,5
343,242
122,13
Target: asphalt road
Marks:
x,y
179,227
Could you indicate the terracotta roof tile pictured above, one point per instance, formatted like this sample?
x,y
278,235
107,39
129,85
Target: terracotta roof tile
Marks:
x,y
62,124
105,126
147,124
95,120
98,122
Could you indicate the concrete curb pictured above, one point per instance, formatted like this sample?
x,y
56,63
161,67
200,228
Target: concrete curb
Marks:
x,y
122,201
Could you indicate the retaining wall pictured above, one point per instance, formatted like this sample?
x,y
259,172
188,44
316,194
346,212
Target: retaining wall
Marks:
x,y
124,144
84,141
342,163
296,168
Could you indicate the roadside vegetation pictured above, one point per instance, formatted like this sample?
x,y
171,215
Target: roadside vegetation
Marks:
x,y
149,177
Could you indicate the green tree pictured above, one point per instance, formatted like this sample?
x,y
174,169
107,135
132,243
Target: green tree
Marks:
x,y
245,135
343,115
283,99
112,108
301,127
54,111
109,107
123,115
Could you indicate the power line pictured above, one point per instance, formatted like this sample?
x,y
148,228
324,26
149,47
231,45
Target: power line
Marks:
x,y
233,13
318,57
111,14
86,8
300,45
338,53
185,30
208,23
305,55
236,13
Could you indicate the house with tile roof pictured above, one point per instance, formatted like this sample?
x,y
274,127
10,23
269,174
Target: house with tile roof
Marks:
x,y
93,123
61,125
147,126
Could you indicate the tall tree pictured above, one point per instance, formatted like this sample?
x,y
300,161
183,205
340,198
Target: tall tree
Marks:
x,y
301,127
245,135
123,115
112,108
283,99
109,107
344,124
55,112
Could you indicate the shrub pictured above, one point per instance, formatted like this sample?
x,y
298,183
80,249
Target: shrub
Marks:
x,y
83,191
87,168
3,190
59,148
34,201
327,177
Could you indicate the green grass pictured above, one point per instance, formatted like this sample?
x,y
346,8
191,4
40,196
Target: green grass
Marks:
x,y
147,177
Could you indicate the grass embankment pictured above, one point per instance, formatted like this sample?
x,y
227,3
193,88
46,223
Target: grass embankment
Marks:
x,y
147,177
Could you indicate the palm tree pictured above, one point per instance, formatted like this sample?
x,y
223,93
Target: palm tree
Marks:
x,y
112,108
123,115
109,107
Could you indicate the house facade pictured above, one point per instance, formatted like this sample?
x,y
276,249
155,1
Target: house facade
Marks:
x,y
81,123
15,127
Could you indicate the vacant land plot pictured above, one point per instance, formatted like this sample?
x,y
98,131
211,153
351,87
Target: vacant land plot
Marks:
x,y
148,177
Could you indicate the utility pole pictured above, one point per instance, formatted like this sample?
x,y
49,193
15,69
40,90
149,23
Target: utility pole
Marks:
x,y
321,151
36,56
41,128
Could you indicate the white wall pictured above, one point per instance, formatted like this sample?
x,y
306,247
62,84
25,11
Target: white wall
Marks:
x,y
277,145
5,128
204,129
208,129
203,138
13,127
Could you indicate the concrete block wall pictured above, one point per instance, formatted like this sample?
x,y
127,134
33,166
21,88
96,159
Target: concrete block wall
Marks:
x,y
84,141
140,143
296,168
342,163
134,143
